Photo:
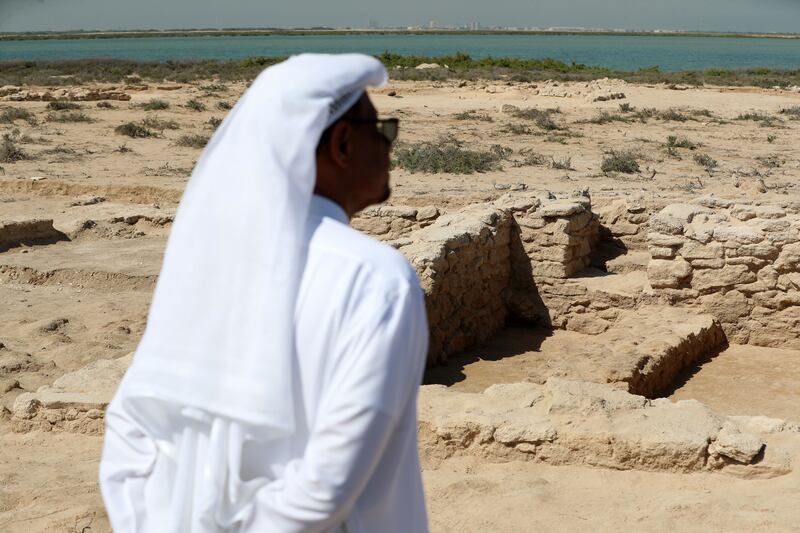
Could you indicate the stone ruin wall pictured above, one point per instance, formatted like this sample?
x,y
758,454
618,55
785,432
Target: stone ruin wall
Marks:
x,y
485,263
738,262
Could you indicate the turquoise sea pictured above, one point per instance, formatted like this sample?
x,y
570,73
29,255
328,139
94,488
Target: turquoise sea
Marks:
x,y
670,53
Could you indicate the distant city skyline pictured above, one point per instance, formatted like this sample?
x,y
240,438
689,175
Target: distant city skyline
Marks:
x,y
767,16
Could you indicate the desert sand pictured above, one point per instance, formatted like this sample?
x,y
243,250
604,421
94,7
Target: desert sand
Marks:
x,y
76,292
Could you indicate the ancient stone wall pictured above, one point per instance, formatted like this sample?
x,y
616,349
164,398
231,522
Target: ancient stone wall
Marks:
x,y
388,222
738,262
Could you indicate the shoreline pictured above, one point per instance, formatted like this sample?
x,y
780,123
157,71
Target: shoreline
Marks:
x,y
459,66
101,34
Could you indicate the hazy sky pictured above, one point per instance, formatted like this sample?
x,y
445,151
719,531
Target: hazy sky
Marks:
x,y
735,15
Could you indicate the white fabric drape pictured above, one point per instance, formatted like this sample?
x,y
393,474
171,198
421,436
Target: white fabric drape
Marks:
x,y
214,367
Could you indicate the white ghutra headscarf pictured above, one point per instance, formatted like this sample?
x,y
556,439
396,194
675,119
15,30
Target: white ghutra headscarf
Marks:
x,y
219,345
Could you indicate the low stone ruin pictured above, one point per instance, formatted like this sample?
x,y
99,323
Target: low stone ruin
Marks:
x,y
80,94
738,262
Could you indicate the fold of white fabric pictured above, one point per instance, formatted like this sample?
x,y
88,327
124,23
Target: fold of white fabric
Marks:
x,y
214,368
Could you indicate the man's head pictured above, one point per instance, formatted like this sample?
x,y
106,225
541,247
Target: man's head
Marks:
x,y
353,159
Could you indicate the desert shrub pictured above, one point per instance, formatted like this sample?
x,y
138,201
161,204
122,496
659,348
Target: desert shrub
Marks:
x,y
103,104
10,153
123,149
447,155
12,114
473,115
604,118
705,160
214,122
764,119
69,117
771,138
673,115
214,88
61,105
530,159
17,136
792,112
193,141
702,113
158,124
623,161
673,141
770,161
561,164
195,105
626,108
516,129
155,105
541,117
222,105
132,129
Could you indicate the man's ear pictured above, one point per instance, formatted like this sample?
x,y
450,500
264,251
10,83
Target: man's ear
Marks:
x,y
340,144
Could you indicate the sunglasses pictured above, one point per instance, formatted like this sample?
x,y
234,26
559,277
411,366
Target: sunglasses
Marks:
x,y
388,128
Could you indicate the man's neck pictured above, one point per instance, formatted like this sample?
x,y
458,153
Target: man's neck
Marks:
x,y
337,199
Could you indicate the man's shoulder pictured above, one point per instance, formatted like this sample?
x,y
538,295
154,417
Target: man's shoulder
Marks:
x,y
365,252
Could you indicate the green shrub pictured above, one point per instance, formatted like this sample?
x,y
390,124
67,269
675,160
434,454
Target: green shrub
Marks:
x,y
541,117
193,141
605,117
132,129
562,164
447,155
69,117
12,114
705,160
673,141
516,129
10,153
158,124
61,105
155,105
196,105
473,115
624,162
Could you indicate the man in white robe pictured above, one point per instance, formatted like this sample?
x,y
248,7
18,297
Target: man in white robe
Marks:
x,y
284,405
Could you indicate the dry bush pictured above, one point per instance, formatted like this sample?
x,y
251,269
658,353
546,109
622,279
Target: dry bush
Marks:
x,y
193,141
473,115
706,161
158,124
625,162
62,105
134,130
541,117
12,114
155,105
69,117
10,153
447,155
561,164
195,105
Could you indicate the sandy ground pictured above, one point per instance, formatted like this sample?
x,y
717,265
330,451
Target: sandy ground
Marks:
x,y
96,308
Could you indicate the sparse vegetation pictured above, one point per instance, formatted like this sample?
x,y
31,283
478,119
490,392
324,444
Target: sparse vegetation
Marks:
x,y
626,108
771,138
530,158
158,124
61,105
134,130
461,66
103,104
541,117
69,117
123,149
625,162
792,112
12,114
605,117
155,105
10,153
770,161
473,115
196,105
214,88
193,141
214,122
222,105
706,161
447,155
564,163
516,129
673,141
764,119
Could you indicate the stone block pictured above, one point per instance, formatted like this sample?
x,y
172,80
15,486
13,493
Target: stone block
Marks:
x,y
762,250
668,273
661,252
695,250
661,239
738,234
561,209
707,263
728,276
